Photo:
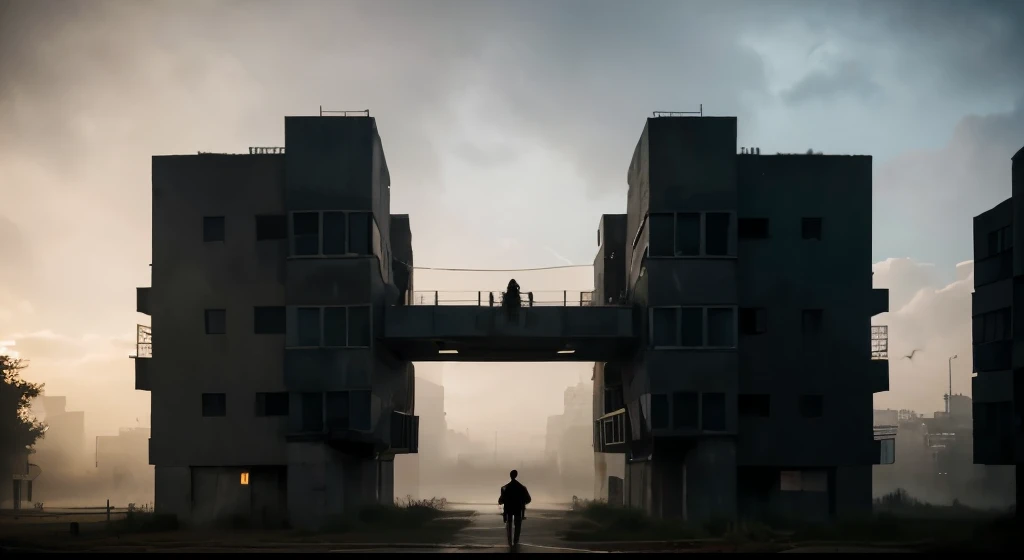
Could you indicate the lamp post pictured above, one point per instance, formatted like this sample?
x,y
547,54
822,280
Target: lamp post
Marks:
x,y
949,396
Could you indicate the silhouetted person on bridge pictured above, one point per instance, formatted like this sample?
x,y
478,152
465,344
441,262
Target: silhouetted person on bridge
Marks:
x,y
514,496
512,299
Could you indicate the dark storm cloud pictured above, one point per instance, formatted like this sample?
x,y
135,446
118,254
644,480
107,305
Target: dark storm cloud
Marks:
x,y
848,78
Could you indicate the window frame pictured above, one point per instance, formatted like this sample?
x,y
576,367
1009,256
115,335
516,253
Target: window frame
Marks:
x,y
323,315
324,425
320,234
265,396
704,327
702,253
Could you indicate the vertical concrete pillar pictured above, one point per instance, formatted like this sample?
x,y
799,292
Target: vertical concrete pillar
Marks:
x,y
173,492
386,481
709,480
307,486
852,492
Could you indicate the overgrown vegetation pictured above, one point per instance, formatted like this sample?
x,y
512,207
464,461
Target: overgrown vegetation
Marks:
x,y
18,430
144,520
409,520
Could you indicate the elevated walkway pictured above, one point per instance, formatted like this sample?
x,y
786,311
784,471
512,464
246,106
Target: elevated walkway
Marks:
x,y
473,327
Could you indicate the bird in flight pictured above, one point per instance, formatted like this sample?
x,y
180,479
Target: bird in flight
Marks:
x,y
910,356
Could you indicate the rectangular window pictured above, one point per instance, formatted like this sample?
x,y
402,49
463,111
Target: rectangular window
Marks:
x,y
308,322
306,233
334,327
359,334
613,399
812,406
687,235
811,229
996,325
213,229
691,326
271,227
1000,240
334,233
359,233
338,410
268,320
216,321
312,412
359,410
753,320
754,406
664,326
215,404
721,327
752,228
716,234
661,235
685,410
271,404
659,412
812,321
712,412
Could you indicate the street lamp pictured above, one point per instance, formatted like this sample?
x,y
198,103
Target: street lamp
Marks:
x,y
949,395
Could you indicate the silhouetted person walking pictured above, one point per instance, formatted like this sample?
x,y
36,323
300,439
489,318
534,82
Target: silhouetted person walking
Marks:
x,y
514,496
512,299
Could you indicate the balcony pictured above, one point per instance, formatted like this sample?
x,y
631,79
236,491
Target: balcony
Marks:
x,y
142,301
143,357
610,432
885,441
878,367
405,433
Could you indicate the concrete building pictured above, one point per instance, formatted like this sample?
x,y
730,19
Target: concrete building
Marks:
x,y
271,400
751,393
998,386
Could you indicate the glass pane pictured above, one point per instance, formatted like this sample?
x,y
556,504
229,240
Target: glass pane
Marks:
x,y
334,326
359,326
685,410
660,242
334,233
312,412
306,223
692,326
721,327
337,410
659,412
716,240
308,331
360,410
713,411
359,233
687,235
665,329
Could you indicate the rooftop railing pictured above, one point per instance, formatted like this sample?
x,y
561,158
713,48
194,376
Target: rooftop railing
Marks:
x,y
879,342
564,298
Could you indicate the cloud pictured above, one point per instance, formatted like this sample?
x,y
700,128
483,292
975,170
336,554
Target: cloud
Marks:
x,y
848,78
936,319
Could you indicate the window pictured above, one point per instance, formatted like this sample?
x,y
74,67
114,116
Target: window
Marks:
x,y
685,410
268,320
721,327
716,234
359,331
308,331
691,325
613,399
312,419
664,326
338,410
333,327
271,404
712,412
995,325
661,236
1000,240
306,233
812,406
811,228
359,233
359,411
216,321
752,228
215,404
213,228
687,235
335,333
332,233
754,406
659,412
753,320
811,321
271,227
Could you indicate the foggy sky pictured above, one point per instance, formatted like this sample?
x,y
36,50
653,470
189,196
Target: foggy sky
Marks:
x,y
508,128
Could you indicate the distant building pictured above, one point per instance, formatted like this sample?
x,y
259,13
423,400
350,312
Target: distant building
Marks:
x,y
62,447
122,462
998,387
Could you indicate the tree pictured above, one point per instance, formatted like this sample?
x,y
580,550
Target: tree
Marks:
x,y
18,430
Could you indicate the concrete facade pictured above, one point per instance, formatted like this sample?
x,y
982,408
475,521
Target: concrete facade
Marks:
x,y
751,393
998,387
271,401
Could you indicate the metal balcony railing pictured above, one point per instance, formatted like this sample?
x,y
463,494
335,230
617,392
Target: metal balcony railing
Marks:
x,y
885,432
564,298
143,342
879,342
261,150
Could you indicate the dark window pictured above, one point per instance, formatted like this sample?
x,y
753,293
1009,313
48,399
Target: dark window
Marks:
x,y
306,233
811,228
660,242
716,234
271,404
721,327
216,321
811,321
312,412
334,233
308,331
359,326
712,412
665,329
752,228
359,233
271,227
334,326
759,406
812,406
685,410
1000,240
213,228
687,235
691,326
359,410
659,412
753,320
337,410
996,325
613,399
215,404
268,320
